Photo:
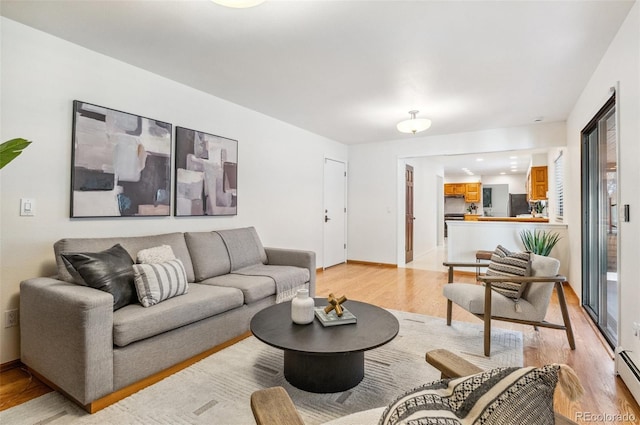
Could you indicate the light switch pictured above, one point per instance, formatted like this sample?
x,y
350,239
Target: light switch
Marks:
x,y
27,206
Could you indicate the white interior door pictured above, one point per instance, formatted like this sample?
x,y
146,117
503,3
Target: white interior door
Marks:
x,y
335,213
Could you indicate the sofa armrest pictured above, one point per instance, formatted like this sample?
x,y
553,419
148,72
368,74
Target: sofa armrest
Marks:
x,y
66,335
523,279
295,257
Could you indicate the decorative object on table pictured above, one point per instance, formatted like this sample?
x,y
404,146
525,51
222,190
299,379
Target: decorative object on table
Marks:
x,y
538,241
472,209
335,304
206,174
121,164
332,318
10,149
302,308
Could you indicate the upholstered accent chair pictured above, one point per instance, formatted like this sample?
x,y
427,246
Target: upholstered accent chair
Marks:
x,y
274,406
530,308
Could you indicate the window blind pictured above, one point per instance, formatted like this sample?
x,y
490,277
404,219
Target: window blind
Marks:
x,y
559,186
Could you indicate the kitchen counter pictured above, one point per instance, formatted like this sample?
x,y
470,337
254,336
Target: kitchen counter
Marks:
x,y
466,237
515,219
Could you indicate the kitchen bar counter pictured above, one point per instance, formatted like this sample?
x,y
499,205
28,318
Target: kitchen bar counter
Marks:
x,y
464,238
515,219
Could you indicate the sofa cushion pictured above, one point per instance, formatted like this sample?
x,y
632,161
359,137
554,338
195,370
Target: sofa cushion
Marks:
x,y
134,322
500,396
157,254
158,282
109,271
132,244
288,279
208,253
254,288
244,247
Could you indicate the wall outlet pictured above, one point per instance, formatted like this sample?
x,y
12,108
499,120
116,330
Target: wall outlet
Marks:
x,y
11,318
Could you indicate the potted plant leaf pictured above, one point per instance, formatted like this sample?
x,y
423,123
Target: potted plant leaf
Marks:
x,y
538,208
10,149
539,241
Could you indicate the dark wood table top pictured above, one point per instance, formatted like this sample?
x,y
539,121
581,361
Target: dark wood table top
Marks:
x,y
375,327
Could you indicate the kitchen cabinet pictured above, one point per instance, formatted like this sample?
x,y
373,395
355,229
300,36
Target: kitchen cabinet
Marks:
x,y
472,192
537,184
471,217
455,189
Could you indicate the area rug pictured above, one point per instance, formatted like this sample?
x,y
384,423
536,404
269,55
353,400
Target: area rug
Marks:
x,y
216,390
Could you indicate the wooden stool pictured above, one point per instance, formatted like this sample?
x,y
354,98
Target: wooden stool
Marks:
x,y
482,255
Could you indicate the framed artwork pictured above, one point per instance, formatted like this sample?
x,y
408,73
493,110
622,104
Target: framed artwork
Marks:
x,y
206,174
121,164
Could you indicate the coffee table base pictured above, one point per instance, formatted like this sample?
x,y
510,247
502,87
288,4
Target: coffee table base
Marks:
x,y
324,373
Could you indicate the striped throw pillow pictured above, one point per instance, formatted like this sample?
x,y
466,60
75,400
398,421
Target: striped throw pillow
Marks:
x,y
158,282
502,396
507,263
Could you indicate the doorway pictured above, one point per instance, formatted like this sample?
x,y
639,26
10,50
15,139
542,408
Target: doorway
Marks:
x,y
600,259
335,212
409,217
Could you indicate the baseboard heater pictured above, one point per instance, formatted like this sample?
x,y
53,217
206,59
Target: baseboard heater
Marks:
x,y
629,373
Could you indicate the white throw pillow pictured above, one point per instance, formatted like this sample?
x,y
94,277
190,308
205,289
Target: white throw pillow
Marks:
x,y
158,254
158,282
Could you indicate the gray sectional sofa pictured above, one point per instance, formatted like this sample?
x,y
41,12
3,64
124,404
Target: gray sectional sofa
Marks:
x,y
71,336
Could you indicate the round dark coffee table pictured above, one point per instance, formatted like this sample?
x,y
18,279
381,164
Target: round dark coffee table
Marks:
x,y
325,359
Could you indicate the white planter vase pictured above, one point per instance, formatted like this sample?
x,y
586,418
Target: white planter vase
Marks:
x,y
302,308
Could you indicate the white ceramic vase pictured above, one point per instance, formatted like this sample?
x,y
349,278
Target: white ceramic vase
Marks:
x,y
302,308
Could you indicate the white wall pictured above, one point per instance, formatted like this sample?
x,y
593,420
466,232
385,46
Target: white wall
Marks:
x,y
280,166
374,197
620,65
516,182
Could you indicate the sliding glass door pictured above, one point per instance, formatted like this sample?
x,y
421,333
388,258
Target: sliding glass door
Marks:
x,y
600,221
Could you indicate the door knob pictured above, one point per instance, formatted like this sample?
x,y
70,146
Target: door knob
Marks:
x,y
326,218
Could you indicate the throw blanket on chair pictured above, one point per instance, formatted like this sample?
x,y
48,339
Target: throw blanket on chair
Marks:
x,y
288,279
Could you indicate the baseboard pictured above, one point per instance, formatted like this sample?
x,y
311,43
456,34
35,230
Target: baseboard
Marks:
x,y
10,365
371,263
125,392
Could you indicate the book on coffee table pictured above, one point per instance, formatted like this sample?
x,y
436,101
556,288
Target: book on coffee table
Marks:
x,y
332,319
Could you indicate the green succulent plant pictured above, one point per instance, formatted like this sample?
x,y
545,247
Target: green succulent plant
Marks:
x,y
10,149
539,241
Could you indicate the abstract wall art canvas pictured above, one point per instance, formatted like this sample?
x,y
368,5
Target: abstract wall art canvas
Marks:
x,y
121,164
206,174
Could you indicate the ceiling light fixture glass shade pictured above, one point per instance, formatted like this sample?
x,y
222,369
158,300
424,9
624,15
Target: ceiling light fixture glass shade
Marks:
x,y
239,4
413,125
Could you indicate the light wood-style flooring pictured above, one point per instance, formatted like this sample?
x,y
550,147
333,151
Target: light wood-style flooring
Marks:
x,y
420,291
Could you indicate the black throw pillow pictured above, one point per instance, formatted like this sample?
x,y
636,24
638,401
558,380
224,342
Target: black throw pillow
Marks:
x,y
110,270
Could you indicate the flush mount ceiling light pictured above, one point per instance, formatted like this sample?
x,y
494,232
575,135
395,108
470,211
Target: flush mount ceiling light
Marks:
x,y
413,125
239,4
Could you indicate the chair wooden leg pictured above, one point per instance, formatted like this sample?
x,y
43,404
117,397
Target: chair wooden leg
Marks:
x,y
565,315
449,308
487,319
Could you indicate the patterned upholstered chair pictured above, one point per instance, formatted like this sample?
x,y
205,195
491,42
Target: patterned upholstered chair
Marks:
x,y
274,406
531,308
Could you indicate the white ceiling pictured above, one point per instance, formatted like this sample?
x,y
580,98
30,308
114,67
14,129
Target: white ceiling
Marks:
x,y
350,70
488,164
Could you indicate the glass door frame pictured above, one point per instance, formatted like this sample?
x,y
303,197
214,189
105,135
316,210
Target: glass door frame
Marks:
x,y
594,214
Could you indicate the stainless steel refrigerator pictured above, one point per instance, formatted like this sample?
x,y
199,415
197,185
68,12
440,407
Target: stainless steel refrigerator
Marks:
x,y
518,204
